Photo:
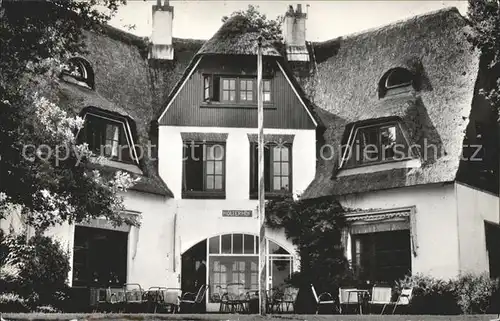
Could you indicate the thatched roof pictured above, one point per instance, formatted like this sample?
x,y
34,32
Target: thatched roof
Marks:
x,y
345,87
237,37
128,85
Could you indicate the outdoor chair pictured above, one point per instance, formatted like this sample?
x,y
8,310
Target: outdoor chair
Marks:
x,y
172,299
381,296
155,297
347,299
273,298
323,299
234,299
191,301
134,301
404,299
288,299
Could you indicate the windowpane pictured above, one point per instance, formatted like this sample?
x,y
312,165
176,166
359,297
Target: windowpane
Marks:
x,y
388,141
277,183
277,168
284,168
213,245
276,154
226,243
210,182
225,84
218,167
210,167
237,243
267,96
243,85
284,154
284,183
232,84
267,85
232,95
249,244
218,182
225,95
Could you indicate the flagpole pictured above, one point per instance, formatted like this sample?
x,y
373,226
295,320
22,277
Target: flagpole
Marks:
x,y
261,208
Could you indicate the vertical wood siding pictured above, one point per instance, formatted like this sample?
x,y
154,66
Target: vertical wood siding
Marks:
x,y
188,108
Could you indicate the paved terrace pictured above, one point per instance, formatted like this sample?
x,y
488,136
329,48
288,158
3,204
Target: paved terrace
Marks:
x,y
238,317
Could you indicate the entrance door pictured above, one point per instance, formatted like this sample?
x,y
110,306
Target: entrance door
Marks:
x,y
193,271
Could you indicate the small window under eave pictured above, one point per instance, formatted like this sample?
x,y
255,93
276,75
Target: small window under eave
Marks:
x,y
79,71
395,81
375,144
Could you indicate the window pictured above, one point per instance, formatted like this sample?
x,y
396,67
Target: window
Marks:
x,y
395,81
228,89
99,257
203,170
246,90
277,168
79,71
236,90
382,256
107,137
376,143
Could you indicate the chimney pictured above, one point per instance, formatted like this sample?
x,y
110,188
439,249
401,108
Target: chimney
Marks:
x,y
162,48
294,34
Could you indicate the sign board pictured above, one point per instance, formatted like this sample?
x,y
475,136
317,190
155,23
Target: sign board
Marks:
x,y
237,213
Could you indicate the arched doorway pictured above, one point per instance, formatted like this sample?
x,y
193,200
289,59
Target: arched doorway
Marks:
x,y
234,258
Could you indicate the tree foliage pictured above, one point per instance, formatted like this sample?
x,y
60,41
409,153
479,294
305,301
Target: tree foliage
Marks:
x,y
315,228
53,184
256,21
484,16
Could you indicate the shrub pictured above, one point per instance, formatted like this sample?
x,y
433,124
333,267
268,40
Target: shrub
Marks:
x,y
11,302
43,268
430,295
475,293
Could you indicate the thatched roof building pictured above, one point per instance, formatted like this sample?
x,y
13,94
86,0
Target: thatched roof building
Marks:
x,y
345,86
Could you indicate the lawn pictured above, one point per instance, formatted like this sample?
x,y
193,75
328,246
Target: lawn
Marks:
x,y
238,317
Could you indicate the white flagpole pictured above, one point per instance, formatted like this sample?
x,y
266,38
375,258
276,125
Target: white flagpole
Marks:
x,y
261,209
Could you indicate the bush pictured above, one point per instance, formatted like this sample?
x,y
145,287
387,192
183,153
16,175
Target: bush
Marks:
x,y
468,294
430,295
476,293
11,302
43,269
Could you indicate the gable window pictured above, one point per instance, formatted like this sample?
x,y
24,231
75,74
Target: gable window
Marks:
x,y
277,168
237,90
396,81
228,89
79,71
375,144
107,137
203,170
246,90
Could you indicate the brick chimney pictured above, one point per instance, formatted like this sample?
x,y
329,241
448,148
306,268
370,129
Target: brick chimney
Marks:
x,y
162,48
294,34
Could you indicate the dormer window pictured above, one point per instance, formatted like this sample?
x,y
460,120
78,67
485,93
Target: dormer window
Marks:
x,y
376,143
108,137
79,71
396,81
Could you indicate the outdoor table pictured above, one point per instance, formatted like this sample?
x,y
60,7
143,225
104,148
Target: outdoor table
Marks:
x,y
362,294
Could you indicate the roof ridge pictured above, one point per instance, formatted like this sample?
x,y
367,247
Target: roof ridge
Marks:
x,y
397,23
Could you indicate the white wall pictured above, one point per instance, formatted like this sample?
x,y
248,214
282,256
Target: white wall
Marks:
x,y
474,206
200,219
436,223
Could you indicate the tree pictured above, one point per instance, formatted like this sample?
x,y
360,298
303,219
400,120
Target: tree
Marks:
x,y
315,228
484,16
52,184
258,22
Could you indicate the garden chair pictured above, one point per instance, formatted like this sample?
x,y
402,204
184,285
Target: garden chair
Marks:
x,y
155,297
347,299
134,301
273,298
404,299
234,299
172,299
288,299
193,300
324,298
381,296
